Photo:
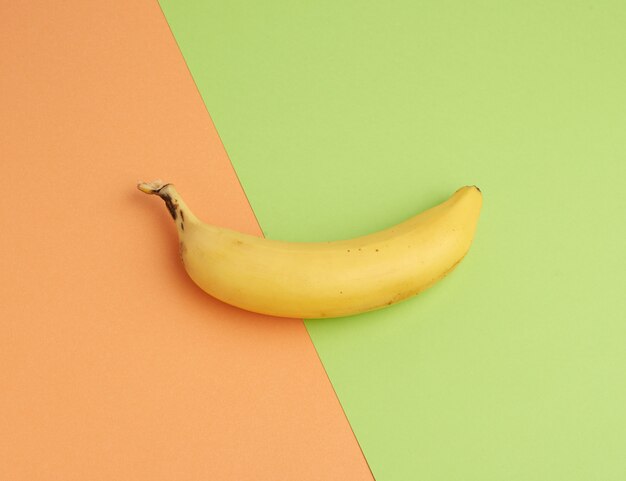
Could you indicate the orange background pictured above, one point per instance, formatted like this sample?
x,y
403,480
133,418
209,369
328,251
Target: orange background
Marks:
x,y
113,365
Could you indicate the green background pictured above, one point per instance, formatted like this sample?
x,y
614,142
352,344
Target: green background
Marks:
x,y
342,118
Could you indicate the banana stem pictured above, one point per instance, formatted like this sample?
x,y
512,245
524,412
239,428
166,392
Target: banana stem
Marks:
x,y
151,187
175,204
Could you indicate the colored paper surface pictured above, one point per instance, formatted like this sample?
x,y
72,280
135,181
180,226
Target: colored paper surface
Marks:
x,y
342,118
113,365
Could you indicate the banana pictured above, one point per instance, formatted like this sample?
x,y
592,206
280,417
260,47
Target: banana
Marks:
x,y
324,279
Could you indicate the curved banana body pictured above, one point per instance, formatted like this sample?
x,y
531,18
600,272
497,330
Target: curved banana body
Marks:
x,y
324,279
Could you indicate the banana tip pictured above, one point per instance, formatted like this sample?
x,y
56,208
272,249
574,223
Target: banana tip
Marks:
x,y
151,187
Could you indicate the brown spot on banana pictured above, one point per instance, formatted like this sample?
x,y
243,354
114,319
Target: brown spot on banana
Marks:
x,y
170,204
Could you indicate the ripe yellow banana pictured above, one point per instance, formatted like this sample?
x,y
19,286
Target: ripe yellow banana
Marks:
x,y
324,279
